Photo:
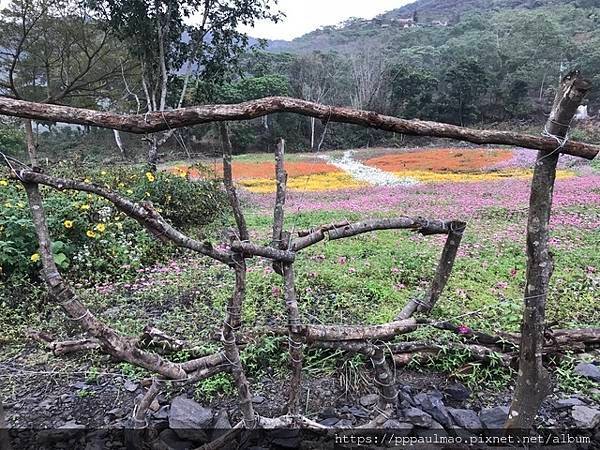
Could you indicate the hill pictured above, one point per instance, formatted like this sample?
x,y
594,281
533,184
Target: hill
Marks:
x,y
399,23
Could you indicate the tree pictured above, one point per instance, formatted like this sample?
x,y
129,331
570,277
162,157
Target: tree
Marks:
x,y
176,40
465,81
54,52
316,77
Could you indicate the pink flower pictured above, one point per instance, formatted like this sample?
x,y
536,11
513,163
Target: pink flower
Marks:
x,y
351,270
513,272
395,270
590,269
501,285
268,270
463,329
276,291
342,260
400,286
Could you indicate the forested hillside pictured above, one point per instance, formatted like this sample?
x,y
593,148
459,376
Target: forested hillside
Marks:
x,y
464,62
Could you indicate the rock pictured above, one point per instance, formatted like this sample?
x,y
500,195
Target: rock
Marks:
x,y
588,370
329,422
258,399
221,425
116,412
80,385
328,412
494,418
399,428
187,418
161,414
418,417
344,423
130,386
358,411
567,403
465,418
368,400
432,404
585,417
173,442
458,392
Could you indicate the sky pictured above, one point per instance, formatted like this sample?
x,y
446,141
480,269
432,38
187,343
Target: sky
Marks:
x,y
304,16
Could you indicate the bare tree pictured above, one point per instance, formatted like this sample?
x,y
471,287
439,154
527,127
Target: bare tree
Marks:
x,y
54,52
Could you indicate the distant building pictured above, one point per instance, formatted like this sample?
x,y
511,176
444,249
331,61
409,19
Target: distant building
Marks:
x,y
439,23
405,23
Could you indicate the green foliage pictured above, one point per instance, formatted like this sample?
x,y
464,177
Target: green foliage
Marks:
x,y
12,139
220,384
570,382
90,235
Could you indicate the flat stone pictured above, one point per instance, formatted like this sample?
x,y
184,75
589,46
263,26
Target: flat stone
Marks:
x,y
399,428
329,422
458,392
588,370
80,385
585,417
130,386
418,417
187,418
358,411
465,418
258,399
566,403
494,418
368,400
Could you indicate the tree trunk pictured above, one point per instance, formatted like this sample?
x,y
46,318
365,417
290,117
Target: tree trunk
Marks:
x,y
533,382
312,133
119,143
31,147
153,153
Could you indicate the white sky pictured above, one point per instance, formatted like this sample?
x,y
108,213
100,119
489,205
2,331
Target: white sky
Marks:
x,y
304,16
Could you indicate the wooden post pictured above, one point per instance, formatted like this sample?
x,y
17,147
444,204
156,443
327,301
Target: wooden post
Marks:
x,y
533,382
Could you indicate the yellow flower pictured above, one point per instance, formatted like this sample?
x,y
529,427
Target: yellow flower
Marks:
x,y
21,205
3,183
90,234
87,180
85,207
103,172
121,185
8,205
35,257
150,177
101,227
68,223
129,191
120,226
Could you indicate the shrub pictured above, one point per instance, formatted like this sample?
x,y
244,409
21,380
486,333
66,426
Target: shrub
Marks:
x,y
90,235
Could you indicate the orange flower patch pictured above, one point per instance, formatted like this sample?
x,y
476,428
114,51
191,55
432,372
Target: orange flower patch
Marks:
x,y
246,170
441,160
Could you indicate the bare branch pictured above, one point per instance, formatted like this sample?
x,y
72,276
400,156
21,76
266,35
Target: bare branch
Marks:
x,y
230,187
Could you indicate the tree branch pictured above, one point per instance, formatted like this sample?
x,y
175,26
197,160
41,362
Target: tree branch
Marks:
x,y
179,118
